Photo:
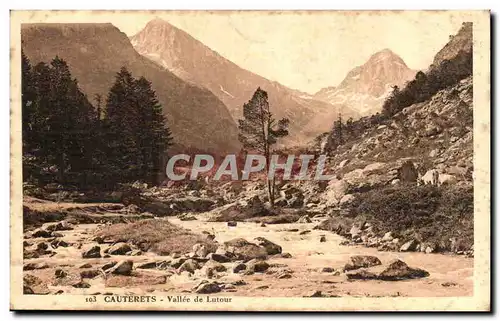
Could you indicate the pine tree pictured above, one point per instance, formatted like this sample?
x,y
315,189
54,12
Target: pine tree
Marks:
x,y
153,134
121,123
259,131
137,132
57,124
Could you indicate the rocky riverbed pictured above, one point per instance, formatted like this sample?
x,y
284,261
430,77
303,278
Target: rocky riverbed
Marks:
x,y
290,259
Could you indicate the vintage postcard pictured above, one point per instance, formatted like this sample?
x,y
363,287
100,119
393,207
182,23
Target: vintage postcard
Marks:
x,y
250,160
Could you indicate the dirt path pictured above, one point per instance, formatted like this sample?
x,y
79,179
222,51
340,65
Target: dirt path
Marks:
x,y
449,275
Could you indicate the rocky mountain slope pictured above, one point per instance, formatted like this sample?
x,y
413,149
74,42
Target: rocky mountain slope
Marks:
x,y
196,63
462,41
96,52
365,87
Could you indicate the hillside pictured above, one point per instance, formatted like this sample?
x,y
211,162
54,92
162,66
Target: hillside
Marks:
x,y
194,62
96,52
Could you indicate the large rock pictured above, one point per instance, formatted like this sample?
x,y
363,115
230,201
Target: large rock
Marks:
x,y
189,265
347,199
216,266
271,248
60,226
399,270
119,248
239,211
409,246
122,268
34,285
221,258
334,192
92,253
241,249
407,172
361,261
41,233
207,287
258,266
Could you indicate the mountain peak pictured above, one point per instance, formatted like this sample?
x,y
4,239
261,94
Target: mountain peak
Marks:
x,y
385,54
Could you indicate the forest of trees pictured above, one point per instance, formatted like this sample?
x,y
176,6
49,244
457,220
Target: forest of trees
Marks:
x,y
69,141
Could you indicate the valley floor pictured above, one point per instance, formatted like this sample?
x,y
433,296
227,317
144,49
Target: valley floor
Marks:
x,y
302,274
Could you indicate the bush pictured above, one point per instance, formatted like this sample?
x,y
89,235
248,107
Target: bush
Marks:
x,y
426,213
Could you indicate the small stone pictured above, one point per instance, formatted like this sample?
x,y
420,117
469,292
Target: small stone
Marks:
x,y
89,274
81,285
327,270
284,276
60,273
322,239
231,223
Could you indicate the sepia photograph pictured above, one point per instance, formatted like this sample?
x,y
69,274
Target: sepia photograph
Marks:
x,y
250,160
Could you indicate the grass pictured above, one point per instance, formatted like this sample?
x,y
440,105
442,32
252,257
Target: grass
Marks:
x,y
426,213
155,235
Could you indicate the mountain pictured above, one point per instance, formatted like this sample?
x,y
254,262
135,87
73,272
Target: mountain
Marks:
x,y
194,62
365,87
462,41
96,52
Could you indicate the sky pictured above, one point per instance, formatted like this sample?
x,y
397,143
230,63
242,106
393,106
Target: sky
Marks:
x,y
302,50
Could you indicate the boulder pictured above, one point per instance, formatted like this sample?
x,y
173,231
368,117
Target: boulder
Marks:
x,y
334,192
189,265
207,287
221,258
239,267
216,266
258,266
200,250
232,223
41,233
409,246
241,249
361,261
92,253
408,172
176,263
399,270
60,274
60,226
271,248
122,268
387,237
347,199
119,248
34,285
